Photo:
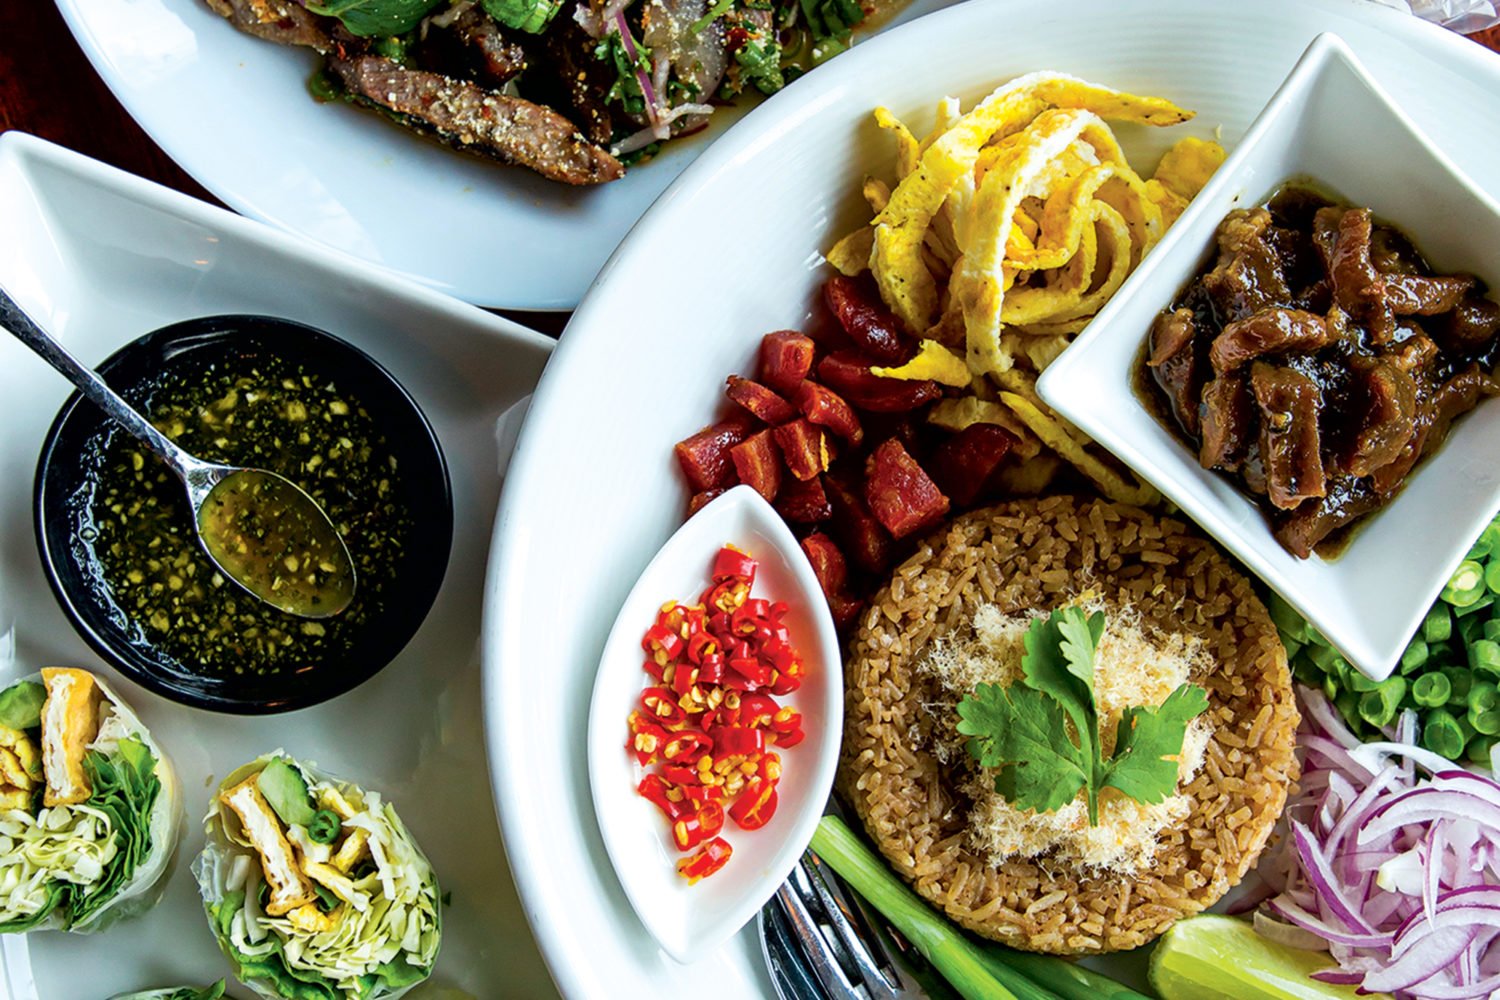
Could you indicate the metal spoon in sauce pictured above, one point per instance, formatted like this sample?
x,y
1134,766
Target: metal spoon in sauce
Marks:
x,y
259,528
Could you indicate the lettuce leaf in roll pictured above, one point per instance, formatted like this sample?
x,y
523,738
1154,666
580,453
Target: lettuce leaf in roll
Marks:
x,y
89,806
313,886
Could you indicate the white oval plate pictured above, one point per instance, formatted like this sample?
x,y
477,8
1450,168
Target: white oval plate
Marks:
x,y
594,491
234,111
689,921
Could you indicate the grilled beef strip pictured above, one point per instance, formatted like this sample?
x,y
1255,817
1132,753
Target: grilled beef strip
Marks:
x,y
283,21
471,119
473,44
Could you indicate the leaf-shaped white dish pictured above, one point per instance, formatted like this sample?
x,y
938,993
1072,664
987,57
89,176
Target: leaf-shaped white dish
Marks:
x,y
689,921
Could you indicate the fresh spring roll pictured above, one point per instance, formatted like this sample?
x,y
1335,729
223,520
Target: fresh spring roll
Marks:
x,y
313,886
90,808
214,992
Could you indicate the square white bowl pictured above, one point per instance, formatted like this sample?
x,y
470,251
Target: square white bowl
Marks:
x,y
1332,124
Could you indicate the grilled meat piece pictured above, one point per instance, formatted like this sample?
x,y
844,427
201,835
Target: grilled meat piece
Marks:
x,y
1174,365
569,77
1290,443
1390,419
283,21
474,120
1228,423
1248,276
1269,331
474,43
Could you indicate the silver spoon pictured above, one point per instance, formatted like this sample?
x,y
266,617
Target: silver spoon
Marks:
x,y
259,528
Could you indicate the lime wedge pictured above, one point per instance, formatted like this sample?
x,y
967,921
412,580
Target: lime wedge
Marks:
x,y
1221,958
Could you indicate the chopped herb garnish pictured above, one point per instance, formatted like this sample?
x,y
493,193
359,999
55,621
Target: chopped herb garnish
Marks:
x,y
1042,732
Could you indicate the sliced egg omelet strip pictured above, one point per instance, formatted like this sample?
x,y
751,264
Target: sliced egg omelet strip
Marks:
x,y
70,721
289,887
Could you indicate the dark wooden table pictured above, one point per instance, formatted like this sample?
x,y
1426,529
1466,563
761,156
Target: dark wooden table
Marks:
x,y
48,88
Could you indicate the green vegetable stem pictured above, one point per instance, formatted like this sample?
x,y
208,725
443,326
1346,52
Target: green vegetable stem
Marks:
x,y
1022,730
976,971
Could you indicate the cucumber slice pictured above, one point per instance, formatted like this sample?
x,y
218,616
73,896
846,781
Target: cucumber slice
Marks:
x,y
286,792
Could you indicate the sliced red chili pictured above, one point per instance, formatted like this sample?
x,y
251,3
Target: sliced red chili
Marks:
x,y
658,792
699,794
646,739
661,705
786,719
710,858
787,679
687,746
691,829
700,644
684,676
661,643
683,776
726,596
757,709
790,739
732,564
769,767
755,806
711,670
730,741
752,672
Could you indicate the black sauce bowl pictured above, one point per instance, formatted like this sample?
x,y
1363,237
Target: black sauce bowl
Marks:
x,y
73,454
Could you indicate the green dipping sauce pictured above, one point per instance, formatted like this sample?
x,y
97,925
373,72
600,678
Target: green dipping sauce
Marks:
x,y
268,413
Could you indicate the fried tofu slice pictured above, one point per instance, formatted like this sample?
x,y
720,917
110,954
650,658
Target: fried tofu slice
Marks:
x,y
289,887
354,849
312,920
24,752
339,884
70,721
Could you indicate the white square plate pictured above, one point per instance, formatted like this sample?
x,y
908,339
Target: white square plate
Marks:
x,y
1330,123
99,257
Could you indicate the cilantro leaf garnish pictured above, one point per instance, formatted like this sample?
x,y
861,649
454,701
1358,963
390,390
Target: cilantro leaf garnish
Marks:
x,y
1042,763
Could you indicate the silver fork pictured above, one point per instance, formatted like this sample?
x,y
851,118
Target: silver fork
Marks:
x,y
819,945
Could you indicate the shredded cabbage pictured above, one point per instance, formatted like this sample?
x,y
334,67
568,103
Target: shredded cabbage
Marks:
x,y
385,930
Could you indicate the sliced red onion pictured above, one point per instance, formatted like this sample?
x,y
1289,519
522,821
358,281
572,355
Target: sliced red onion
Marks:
x,y
1393,864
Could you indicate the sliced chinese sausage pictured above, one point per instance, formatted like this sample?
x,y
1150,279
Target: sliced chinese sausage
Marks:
x,y
1390,419
1228,422
1174,365
1290,441
863,538
963,464
873,328
900,493
759,400
758,465
848,373
804,501
704,457
786,358
1270,331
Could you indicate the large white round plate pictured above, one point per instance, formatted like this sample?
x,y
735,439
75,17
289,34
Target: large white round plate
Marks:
x,y
593,488
234,111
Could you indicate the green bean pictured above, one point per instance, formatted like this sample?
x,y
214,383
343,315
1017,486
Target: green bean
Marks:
x,y
1431,690
1441,733
1357,681
1472,610
1492,629
1466,585
1487,723
1460,680
1438,625
1488,542
1479,749
1483,696
1415,656
1379,706
1347,702
1492,574
1322,656
1293,647
1484,654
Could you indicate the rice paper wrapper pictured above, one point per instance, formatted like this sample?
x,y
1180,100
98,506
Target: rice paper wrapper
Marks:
x,y
214,992
227,866
144,888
